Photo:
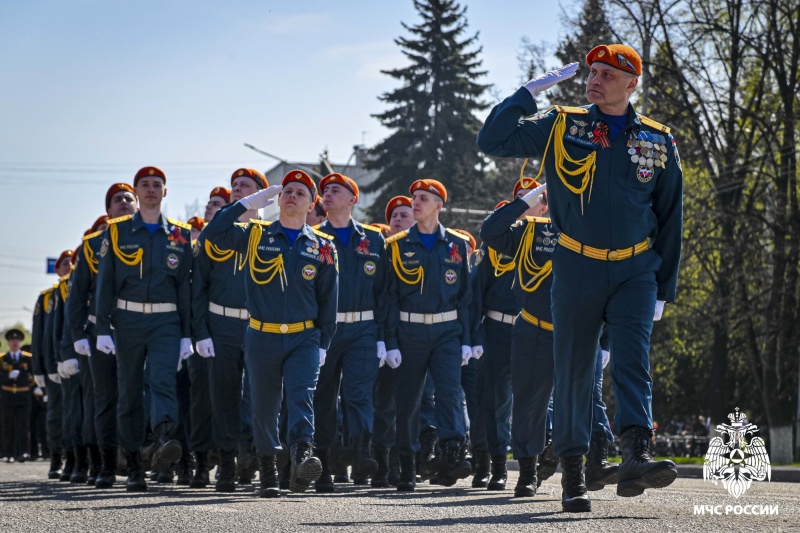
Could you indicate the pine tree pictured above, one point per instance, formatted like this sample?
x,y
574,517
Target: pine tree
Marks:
x,y
432,113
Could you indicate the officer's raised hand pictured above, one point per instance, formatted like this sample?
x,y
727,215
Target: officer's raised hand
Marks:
x,y
393,358
205,348
82,347
548,79
106,344
262,198
381,353
466,353
323,354
70,367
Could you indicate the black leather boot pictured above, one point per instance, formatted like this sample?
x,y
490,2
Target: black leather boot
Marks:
x,y
499,473
364,465
325,482
69,465
81,470
305,467
200,479
95,464
454,465
408,474
482,465
55,465
136,482
574,497
394,467
380,480
638,471
526,483
599,472
226,482
268,477
107,476
548,462
246,462
168,450
429,462
184,470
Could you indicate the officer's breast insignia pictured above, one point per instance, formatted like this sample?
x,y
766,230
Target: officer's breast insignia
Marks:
x,y
309,272
478,257
196,248
450,277
408,254
644,174
173,261
370,268
104,247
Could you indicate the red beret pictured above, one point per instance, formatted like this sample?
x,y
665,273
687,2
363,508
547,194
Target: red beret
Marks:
x,y
619,56
472,242
302,177
97,223
524,183
149,172
254,175
197,223
397,201
431,186
501,204
385,230
340,179
114,189
222,192
66,254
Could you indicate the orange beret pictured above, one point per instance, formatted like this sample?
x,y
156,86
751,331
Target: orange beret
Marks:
x,y
472,242
66,254
620,56
431,186
254,175
302,177
222,192
524,183
397,201
342,180
149,172
385,229
97,223
501,204
197,223
114,189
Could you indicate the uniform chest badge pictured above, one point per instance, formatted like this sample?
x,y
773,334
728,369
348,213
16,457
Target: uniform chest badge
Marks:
x,y
450,277
313,248
196,248
309,272
644,174
408,254
173,261
363,246
175,236
370,268
104,247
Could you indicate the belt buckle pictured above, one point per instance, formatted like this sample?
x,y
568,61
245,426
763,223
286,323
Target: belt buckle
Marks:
x,y
349,317
427,319
243,314
284,328
613,255
147,309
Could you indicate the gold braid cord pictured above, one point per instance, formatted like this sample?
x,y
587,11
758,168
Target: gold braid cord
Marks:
x,y
274,267
500,268
128,259
526,264
405,273
88,253
220,256
62,286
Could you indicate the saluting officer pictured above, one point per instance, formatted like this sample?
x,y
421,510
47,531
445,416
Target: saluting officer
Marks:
x,y
16,380
615,194
428,321
143,290
358,347
292,289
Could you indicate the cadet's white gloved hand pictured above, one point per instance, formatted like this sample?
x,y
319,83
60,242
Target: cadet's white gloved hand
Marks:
x,y
186,349
262,198
548,79
40,380
70,367
606,357
477,352
60,370
205,348
55,378
323,353
106,344
13,374
659,310
82,347
393,358
38,392
534,196
381,353
466,353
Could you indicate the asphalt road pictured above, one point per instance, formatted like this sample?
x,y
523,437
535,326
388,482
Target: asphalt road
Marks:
x,y
30,503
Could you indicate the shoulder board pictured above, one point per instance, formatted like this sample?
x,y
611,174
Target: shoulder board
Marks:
x,y
240,224
372,228
653,124
570,109
119,219
396,237
540,220
321,234
92,235
260,222
26,354
457,234
47,291
180,224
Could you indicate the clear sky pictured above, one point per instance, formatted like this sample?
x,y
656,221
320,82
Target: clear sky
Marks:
x,y
92,90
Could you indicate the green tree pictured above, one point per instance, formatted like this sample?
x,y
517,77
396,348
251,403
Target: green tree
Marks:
x,y
432,113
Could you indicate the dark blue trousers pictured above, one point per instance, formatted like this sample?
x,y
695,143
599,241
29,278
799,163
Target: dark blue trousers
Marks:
x,y
104,380
491,428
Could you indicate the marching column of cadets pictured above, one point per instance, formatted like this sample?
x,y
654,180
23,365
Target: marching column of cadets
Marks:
x,y
397,349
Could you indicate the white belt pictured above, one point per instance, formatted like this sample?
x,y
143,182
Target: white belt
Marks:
x,y
501,317
146,308
233,312
93,319
427,319
354,316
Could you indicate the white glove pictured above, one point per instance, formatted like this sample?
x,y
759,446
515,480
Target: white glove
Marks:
x,y
45,398
55,378
70,367
393,358
381,353
40,380
323,353
477,352
205,348
548,79
82,347
466,353
60,370
106,344
606,357
186,348
38,392
262,198
659,310
13,374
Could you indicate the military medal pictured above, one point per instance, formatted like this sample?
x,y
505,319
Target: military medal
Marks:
x,y
573,130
